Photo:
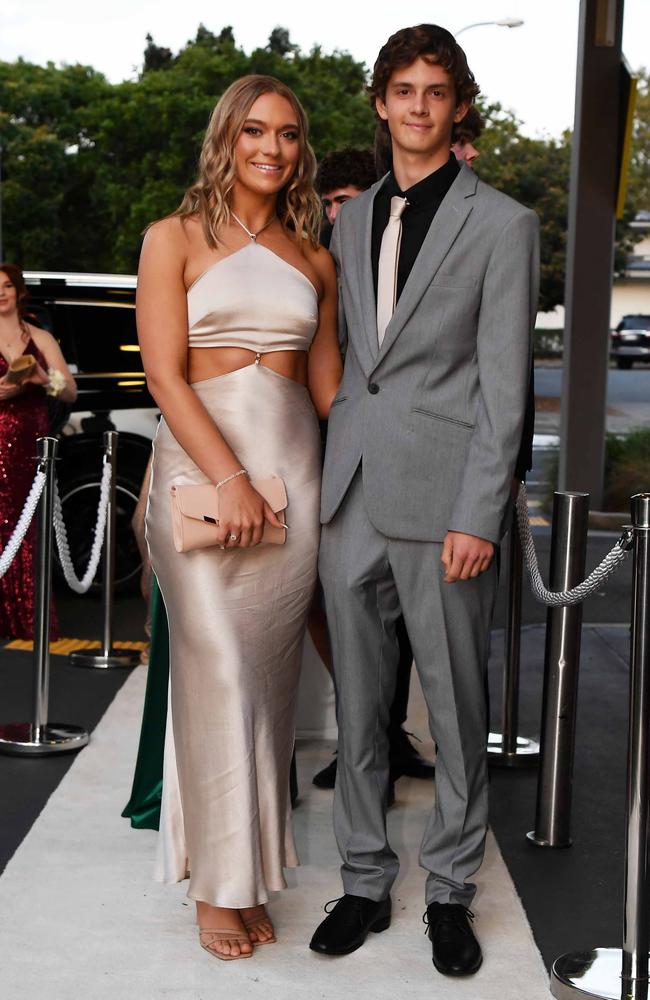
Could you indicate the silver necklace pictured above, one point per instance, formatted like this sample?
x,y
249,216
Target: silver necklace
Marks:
x,y
253,236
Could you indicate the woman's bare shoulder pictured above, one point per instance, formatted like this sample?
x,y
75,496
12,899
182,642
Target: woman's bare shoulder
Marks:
x,y
40,337
321,260
172,231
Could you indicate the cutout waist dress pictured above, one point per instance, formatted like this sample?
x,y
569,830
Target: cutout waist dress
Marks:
x,y
237,617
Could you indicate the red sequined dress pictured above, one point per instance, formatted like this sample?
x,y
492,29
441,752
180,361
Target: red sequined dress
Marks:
x,y
23,418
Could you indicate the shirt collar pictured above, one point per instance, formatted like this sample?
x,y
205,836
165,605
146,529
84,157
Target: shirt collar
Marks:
x,y
432,186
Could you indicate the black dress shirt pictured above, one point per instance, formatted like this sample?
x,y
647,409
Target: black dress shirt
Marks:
x,y
424,200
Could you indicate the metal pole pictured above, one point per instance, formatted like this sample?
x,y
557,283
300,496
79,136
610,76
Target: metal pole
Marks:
x,y
47,449
507,749
108,657
636,934
108,566
561,665
40,737
590,247
615,973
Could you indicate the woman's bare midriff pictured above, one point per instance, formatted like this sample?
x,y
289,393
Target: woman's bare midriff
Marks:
x,y
210,362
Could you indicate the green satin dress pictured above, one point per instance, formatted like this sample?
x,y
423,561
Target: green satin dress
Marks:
x,y
143,808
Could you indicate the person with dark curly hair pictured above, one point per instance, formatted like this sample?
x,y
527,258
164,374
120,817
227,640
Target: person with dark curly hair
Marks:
x,y
465,134
343,174
438,283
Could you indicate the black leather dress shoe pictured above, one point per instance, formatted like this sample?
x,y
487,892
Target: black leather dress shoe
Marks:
x,y
456,952
327,777
404,758
348,925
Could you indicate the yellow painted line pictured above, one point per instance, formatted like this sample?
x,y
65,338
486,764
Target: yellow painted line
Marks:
x,y
539,522
63,647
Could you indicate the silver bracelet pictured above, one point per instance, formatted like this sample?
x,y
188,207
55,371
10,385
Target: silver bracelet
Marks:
x,y
235,475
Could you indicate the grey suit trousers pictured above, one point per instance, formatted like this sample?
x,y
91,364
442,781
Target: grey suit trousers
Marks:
x,y
367,579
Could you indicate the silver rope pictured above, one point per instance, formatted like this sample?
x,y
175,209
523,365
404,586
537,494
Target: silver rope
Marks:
x,y
577,594
80,586
23,523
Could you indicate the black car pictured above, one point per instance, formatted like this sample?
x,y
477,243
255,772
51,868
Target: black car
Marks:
x,y
93,318
631,340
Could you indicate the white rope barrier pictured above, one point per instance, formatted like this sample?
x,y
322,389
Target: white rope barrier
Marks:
x,y
577,594
23,523
80,586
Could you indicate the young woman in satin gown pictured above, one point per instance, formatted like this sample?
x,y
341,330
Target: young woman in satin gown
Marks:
x,y
236,316
23,418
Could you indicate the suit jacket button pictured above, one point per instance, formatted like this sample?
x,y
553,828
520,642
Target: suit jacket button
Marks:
x,y
373,388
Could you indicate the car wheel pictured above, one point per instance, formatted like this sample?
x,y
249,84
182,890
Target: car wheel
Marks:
x,y
79,502
624,363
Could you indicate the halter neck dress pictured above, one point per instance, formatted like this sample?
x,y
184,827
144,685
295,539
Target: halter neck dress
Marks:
x,y
237,617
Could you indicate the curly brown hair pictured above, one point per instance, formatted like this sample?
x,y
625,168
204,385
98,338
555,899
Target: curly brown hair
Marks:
x,y
298,206
348,167
469,128
427,41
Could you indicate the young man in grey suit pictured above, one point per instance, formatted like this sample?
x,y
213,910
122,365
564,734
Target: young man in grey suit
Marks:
x,y
438,291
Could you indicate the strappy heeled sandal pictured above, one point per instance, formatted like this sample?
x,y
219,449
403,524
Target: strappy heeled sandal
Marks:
x,y
230,934
250,923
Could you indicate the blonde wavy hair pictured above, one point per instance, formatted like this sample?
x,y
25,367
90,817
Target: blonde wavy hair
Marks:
x,y
298,206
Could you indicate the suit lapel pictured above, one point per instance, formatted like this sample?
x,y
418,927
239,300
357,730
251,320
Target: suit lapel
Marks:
x,y
365,278
445,227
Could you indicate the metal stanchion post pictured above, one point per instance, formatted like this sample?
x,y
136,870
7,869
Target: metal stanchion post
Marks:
x,y
615,973
507,749
108,657
41,737
561,663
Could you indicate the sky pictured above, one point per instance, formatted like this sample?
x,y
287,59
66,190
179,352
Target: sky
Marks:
x,y
530,69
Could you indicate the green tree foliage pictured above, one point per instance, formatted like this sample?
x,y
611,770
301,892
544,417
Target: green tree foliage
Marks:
x,y
639,187
536,173
88,164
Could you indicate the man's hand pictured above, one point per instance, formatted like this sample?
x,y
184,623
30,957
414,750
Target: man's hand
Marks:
x,y
465,556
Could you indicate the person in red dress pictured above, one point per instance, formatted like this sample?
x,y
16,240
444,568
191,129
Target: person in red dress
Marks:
x,y
23,418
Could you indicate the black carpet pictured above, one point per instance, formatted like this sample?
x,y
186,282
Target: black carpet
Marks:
x,y
573,896
79,696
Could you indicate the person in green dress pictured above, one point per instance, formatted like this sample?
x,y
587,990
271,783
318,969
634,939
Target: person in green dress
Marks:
x,y
143,807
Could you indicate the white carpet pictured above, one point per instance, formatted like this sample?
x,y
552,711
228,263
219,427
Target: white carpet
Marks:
x,y
81,919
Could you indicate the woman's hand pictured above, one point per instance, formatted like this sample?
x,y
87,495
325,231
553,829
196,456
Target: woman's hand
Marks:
x,y
38,376
9,389
243,512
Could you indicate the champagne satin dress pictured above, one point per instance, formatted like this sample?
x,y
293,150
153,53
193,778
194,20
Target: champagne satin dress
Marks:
x,y
237,617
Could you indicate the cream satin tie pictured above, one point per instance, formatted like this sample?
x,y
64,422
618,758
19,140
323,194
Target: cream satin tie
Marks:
x,y
388,260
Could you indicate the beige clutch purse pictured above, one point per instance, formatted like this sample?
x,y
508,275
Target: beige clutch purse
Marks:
x,y
195,513
20,369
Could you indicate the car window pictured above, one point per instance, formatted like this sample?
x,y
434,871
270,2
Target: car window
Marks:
x,y
103,335
635,323
39,316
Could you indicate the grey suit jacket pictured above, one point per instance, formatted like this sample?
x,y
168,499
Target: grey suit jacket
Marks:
x,y
436,415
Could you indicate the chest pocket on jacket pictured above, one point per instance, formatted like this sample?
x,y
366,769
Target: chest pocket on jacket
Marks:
x,y
446,280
